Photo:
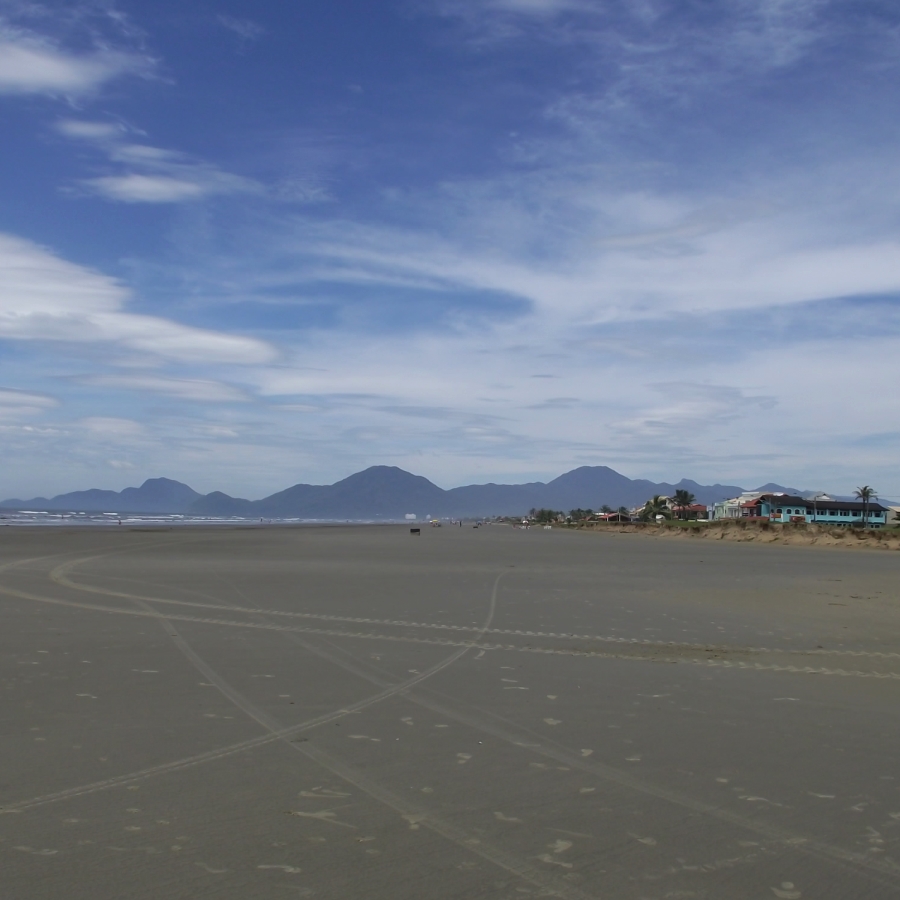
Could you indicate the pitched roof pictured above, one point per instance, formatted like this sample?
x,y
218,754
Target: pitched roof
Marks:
x,y
821,505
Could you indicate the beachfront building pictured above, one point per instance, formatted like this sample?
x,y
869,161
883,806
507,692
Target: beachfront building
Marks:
x,y
694,511
734,508
615,517
787,509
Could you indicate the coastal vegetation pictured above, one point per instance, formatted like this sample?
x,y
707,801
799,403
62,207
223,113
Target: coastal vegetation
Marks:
x,y
867,494
655,507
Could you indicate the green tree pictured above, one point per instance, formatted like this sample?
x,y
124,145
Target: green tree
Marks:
x,y
605,509
623,511
866,494
682,500
654,507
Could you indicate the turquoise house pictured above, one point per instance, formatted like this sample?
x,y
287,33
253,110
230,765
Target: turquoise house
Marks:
x,y
784,508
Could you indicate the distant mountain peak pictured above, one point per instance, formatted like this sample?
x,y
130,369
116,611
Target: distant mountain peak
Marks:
x,y
384,474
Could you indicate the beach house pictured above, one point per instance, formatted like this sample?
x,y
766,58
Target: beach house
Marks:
x,y
788,509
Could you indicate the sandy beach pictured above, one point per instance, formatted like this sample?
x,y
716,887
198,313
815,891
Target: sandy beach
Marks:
x,y
339,712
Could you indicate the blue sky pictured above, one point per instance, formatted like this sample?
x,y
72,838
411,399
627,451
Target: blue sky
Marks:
x,y
246,245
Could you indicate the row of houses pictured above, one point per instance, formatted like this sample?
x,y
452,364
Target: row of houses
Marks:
x,y
822,510
693,511
754,505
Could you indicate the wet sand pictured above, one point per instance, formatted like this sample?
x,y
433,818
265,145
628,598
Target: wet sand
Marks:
x,y
358,712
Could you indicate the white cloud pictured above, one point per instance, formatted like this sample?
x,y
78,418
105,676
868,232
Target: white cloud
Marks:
x,y
15,404
30,64
196,182
764,260
202,391
43,297
488,11
152,174
92,131
692,409
537,7
136,188
113,427
245,29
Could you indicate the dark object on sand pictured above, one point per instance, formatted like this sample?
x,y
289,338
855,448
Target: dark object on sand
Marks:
x,y
415,530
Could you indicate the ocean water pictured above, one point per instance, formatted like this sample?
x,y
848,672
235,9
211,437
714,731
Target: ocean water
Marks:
x,y
25,517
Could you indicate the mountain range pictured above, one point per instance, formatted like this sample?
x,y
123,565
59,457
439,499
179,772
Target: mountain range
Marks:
x,y
386,492
155,495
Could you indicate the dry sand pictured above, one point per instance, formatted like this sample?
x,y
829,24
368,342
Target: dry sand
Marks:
x,y
766,533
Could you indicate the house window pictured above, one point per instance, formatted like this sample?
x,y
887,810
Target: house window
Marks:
x,y
778,511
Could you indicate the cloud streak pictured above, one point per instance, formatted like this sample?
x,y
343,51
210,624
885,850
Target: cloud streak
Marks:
x,y
33,64
150,174
191,389
45,298
16,404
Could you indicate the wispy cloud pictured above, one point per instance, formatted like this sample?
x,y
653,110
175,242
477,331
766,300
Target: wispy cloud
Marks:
x,y
691,408
45,298
246,29
183,184
635,255
113,428
649,32
150,174
34,64
197,390
91,131
16,404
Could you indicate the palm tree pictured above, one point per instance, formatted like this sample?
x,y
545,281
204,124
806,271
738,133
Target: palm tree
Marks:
x,y
623,511
654,507
866,494
605,509
682,500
